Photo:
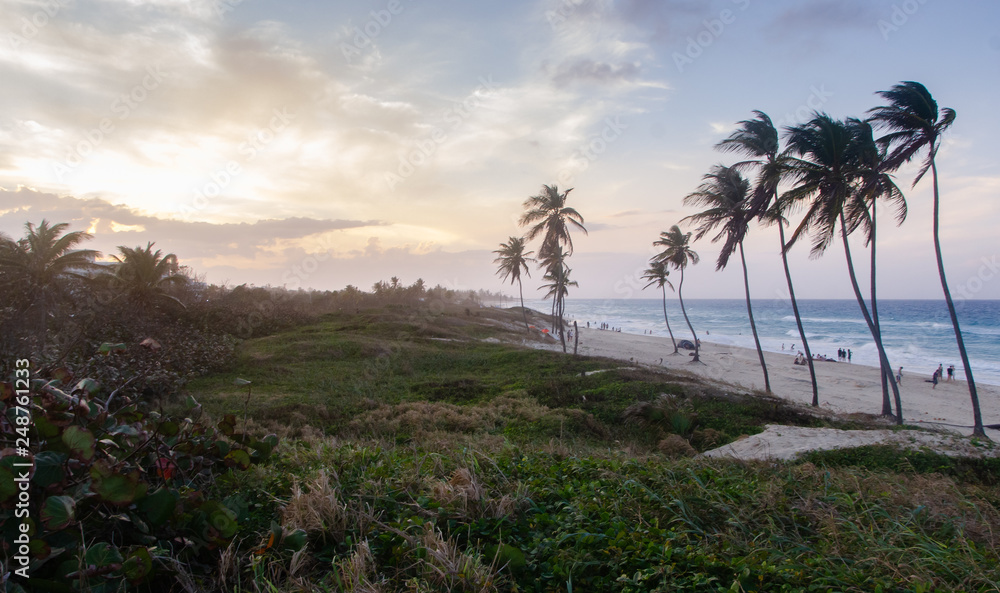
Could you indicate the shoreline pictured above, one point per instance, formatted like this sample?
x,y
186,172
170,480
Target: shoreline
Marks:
x,y
844,388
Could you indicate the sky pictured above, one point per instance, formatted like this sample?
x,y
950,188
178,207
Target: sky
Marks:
x,y
314,144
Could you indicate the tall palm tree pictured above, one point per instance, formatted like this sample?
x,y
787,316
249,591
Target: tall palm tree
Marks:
x,y
144,276
512,258
42,261
657,274
677,253
758,139
914,122
557,273
875,184
550,215
725,194
827,169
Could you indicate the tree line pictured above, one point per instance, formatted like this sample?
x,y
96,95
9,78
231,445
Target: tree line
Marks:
x,y
836,172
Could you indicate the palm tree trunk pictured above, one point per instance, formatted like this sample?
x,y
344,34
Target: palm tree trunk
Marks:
x,y
562,325
868,319
883,369
753,326
680,297
663,287
977,417
520,288
798,318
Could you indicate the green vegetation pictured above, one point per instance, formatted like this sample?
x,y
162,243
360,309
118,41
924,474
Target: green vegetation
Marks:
x,y
257,439
419,451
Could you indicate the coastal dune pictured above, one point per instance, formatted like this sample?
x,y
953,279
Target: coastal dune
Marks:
x,y
844,388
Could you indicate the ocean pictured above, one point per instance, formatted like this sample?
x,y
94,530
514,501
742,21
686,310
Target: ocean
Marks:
x,y
917,334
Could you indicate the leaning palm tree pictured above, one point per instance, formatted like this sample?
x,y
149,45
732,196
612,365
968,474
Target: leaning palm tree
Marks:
x,y
657,273
827,170
550,215
558,288
144,276
875,185
512,258
758,139
678,254
914,122
725,194
42,261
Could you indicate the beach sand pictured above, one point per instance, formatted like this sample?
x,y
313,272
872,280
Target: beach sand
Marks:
x,y
844,388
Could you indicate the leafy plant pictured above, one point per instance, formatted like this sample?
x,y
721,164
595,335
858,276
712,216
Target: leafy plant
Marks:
x,y
120,497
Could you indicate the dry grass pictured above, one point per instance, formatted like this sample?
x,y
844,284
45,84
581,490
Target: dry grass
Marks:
x,y
319,512
465,495
355,573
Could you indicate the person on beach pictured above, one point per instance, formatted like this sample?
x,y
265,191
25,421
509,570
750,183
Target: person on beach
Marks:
x,y
934,379
940,371
899,375
848,355
951,372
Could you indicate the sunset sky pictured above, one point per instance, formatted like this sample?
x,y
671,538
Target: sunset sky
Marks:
x,y
320,144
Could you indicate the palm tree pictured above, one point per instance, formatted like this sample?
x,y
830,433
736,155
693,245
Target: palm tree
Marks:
x,y
657,273
512,259
558,288
678,254
875,184
40,263
914,122
726,195
758,139
144,276
827,171
549,214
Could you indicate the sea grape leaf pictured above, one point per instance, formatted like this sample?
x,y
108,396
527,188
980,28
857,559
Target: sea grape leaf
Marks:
x,y
80,441
120,489
169,428
222,519
137,566
238,458
49,468
58,512
159,506
102,554
45,427
88,386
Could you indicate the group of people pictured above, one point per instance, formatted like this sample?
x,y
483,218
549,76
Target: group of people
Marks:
x,y
606,326
844,354
939,374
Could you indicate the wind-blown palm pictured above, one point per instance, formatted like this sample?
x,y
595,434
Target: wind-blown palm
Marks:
x,y
551,217
914,123
874,185
678,254
757,138
558,288
657,274
828,170
144,276
512,259
726,195
41,262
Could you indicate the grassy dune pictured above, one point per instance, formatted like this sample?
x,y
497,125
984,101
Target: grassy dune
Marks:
x,y
429,451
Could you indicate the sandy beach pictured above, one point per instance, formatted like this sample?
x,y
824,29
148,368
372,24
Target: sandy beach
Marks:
x,y
844,388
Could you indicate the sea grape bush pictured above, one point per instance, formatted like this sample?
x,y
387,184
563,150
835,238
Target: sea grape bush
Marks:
x,y
119,496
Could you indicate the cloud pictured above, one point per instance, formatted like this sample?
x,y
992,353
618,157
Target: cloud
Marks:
x,y
594,71
114,225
